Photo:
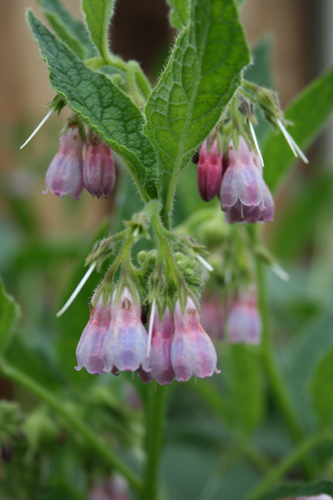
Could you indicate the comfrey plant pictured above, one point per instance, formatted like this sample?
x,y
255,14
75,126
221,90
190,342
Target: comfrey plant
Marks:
x,y
145,315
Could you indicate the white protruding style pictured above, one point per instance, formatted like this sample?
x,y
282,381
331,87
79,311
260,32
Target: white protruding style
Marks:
x,y
281,273
205,263
36,129
293,146
256,143
77,290
150,330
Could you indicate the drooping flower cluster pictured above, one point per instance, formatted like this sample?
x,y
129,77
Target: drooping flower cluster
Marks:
x,y
69,173
238,316
237,179
115,340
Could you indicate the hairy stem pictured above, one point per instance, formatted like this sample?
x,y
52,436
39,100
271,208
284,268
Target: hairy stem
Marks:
x,y
72,419
154,428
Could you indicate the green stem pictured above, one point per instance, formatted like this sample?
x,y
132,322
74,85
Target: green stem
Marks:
x,y
154,429
132,85
280,470
142,81
95,63
71,418
277,382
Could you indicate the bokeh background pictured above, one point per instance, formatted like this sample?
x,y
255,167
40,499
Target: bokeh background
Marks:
x,y
44,240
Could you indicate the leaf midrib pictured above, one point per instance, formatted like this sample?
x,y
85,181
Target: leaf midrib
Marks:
x,y
180,154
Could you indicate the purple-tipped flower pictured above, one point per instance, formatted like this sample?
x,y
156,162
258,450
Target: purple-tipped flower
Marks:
x,y
98,169
64,174
125,348
160,361
244,195
89,349
244,324
192,351
209,171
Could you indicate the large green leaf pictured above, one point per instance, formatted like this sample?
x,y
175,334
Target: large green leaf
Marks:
x,y
321,389
179,13
71,30
245,386
201,76
309,112
299,490
101,105
9,313
98,15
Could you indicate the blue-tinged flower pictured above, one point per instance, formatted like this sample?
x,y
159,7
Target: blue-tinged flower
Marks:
x,y
244,323
244,195
89,349
160,352
64,174
125,348
192,351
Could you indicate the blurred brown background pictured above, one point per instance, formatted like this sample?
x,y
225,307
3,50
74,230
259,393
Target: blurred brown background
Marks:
x,y
301,47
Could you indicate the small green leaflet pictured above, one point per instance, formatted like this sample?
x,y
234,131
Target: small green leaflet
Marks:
x,y
70,30
101,105
179,13
9,313
98,15
299,490
201,76
309,113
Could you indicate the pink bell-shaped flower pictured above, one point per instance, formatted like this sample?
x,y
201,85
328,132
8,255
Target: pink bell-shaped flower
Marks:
x,y
213,317
89,349
125,348
64,174
244,195
244,323
209,171
160,361
98,169
192,351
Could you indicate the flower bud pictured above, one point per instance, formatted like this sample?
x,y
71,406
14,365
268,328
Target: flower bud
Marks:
x,y
244,323
64,174
244,195
213,317
98,169
209,171
89,349
160,362
125,348
192,351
